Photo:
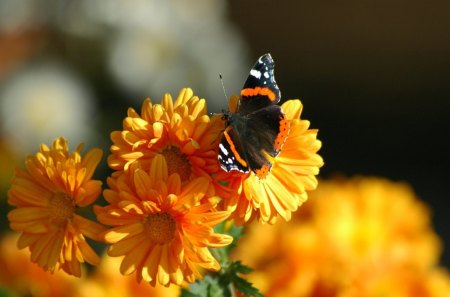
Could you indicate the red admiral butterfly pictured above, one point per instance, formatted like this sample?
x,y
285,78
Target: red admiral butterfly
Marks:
x,y
259,128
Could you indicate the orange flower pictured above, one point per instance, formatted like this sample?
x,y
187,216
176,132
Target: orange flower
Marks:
x,y
283,189
161,226
46,196
181,131
357,237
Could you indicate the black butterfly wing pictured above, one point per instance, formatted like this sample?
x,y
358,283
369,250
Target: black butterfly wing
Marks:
x,y
260,89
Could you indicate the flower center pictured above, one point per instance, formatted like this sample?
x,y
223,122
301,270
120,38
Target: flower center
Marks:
x,y
61,209
160,227
177,162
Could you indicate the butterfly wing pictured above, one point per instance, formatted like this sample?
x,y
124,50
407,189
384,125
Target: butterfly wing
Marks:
x,y
265,133
260,89
231,154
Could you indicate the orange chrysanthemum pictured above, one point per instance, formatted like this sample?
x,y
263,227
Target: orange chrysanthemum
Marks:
x,y
181,131
162,226
47,195
282,190
356,237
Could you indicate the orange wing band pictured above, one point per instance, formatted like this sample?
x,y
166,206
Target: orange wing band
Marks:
x,y
283,134
249,92
233,149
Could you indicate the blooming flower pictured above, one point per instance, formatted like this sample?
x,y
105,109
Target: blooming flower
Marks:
x,y
357,237
282,190
162,226
181,131
46,195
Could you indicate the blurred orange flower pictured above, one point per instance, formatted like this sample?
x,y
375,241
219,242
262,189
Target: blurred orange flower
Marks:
x,y
284,188
23,278
162,226
357,237
46,195
106,281
181,131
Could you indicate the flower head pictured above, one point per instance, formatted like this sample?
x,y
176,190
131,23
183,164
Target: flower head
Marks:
x,y
280,191
181,131
357,237
161,225
46,196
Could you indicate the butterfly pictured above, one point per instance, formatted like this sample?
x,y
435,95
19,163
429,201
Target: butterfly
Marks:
x,y
256,131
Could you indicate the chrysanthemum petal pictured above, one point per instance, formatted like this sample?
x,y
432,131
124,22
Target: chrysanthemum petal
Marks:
x,y
26,214
126,245
195,189
30,227
118,233
167,103
133,260
219,240
158,169
88,193
89,228
163,267
152,263
90,161
41,245
88,253
292,108
142,182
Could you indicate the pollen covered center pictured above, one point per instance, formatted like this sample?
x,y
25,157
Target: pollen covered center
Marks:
x,y
177,162
61,209
160,227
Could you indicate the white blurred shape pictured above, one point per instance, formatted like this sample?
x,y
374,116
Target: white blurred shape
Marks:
x,y
42,103
136,55
159,46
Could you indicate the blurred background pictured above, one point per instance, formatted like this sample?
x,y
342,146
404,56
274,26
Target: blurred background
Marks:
x,y
374,76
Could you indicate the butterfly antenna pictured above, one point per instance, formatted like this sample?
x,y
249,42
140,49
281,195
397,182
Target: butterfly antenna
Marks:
x,y
223,86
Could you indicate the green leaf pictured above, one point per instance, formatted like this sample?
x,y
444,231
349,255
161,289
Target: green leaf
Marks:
x,y
241,284
206,287
241,268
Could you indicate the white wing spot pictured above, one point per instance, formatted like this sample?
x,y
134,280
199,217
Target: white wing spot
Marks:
x,y
255,73
266,74
223,149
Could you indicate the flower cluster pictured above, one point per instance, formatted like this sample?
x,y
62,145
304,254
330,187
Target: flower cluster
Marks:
x,y
356,237
162,196
165,196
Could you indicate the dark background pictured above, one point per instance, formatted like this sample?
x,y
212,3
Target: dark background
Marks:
x,y
374,77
